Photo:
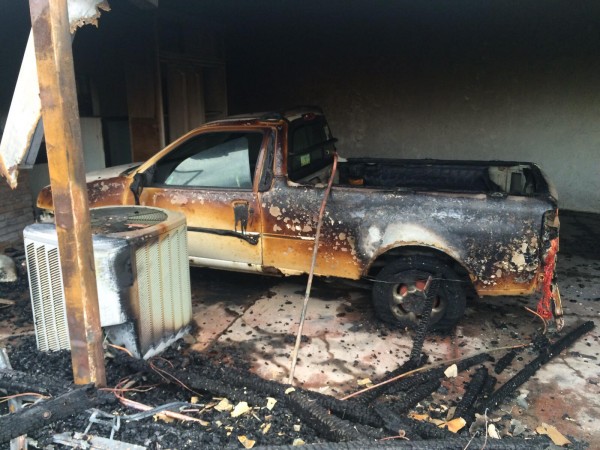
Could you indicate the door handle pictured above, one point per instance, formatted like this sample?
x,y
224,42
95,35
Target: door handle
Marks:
x,y
241,212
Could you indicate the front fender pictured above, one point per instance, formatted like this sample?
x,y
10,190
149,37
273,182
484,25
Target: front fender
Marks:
x,y
111,191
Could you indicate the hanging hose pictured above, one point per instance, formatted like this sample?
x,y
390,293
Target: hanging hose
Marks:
x,y
373,394
429,292
294,357
406,382
414,429
505,361
472,392
415,396
486,391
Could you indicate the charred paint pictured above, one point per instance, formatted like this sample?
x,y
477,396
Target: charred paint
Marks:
x,y
106,192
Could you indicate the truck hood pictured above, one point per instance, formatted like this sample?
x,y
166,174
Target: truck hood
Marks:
x,y
111,172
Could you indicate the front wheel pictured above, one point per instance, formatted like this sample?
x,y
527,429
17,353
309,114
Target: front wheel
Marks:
x,y
398,293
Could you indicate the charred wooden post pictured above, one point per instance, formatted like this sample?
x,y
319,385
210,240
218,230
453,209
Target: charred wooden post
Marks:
x,y
54,59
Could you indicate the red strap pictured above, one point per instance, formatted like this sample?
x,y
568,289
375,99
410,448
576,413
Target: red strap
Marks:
x,y
544,307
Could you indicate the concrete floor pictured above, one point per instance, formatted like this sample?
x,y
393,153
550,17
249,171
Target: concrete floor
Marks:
x,y
256,317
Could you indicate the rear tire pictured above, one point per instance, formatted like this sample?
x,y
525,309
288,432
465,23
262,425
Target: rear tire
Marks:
x,y
398,295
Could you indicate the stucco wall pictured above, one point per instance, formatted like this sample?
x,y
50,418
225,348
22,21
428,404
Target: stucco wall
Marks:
x,y
552,119
476,81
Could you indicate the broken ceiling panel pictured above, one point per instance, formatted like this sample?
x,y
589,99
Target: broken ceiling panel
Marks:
x,y
23,131
84,12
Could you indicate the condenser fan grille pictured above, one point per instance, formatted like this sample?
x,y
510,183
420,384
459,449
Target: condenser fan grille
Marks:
x,y
119,220
151,218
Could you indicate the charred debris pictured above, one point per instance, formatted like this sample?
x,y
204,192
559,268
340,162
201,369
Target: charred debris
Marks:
x,y
203,403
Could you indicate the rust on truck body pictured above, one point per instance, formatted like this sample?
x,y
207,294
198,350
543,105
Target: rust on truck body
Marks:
x,y
498,238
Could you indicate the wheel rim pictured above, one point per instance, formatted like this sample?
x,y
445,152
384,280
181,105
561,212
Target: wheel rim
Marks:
x,y
408,297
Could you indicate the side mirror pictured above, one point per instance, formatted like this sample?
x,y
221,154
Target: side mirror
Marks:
x,y
136,186
140,180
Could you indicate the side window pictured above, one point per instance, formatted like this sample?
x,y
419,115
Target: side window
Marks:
x,y
311,150
219,160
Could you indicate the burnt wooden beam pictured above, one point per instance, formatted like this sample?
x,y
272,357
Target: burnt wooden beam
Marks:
x,y
60,114
15,382
49,411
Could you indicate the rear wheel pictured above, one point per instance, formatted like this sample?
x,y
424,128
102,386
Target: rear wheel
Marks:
x,y
398,293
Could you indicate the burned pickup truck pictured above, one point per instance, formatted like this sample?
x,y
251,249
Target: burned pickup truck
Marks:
x,y
251,187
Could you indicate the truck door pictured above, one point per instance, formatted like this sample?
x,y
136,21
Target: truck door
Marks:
x,y
210,178
291,209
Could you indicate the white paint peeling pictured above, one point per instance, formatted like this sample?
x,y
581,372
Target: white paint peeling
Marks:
x,y
352,243
445,215
518,259
179,200
275,211
411,233
374,234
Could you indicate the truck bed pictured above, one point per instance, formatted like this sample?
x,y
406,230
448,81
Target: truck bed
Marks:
x,y
514,178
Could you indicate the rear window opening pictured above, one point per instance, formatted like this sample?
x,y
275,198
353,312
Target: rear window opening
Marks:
x,y
311,151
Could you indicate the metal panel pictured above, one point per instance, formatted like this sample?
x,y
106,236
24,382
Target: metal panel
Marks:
x,y
163,289
47,296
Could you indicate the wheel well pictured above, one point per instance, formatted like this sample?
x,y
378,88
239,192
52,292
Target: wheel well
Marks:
x,y
411,250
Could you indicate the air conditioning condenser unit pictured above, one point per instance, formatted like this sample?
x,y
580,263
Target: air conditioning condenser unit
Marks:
x,y
142,274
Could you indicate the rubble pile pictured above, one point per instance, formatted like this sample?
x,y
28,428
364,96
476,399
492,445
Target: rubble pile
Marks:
x,y
202,403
